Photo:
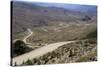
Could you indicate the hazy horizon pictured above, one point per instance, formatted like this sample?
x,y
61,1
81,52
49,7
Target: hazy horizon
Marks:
x,y
80,7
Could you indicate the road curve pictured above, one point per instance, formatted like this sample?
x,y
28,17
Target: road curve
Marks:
x,y
26,37
30,33
38,52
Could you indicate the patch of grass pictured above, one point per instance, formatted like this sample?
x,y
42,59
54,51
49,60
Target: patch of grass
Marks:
x,y
92,34
89,57
72,32
19,35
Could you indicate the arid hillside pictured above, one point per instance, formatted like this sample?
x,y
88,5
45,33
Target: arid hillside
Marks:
x,y
28,15
46,33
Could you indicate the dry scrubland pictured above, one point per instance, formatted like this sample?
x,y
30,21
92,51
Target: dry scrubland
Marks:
x,y
51,25
81,51
57,33
85,49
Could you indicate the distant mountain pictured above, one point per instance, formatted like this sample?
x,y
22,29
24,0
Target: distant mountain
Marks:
x,y
74,7
87,9
28,15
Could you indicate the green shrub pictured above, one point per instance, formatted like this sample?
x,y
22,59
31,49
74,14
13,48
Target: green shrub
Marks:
x,y
19,47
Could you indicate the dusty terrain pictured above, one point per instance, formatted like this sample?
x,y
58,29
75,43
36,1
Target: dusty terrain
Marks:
x,y
53,35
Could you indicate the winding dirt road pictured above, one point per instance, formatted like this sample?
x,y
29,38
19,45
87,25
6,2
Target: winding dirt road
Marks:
x,y
38,52
30,34
26,37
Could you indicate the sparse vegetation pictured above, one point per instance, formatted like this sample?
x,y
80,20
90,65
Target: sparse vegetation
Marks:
x,y
92,34
54,25
65,34
72,52
89,57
